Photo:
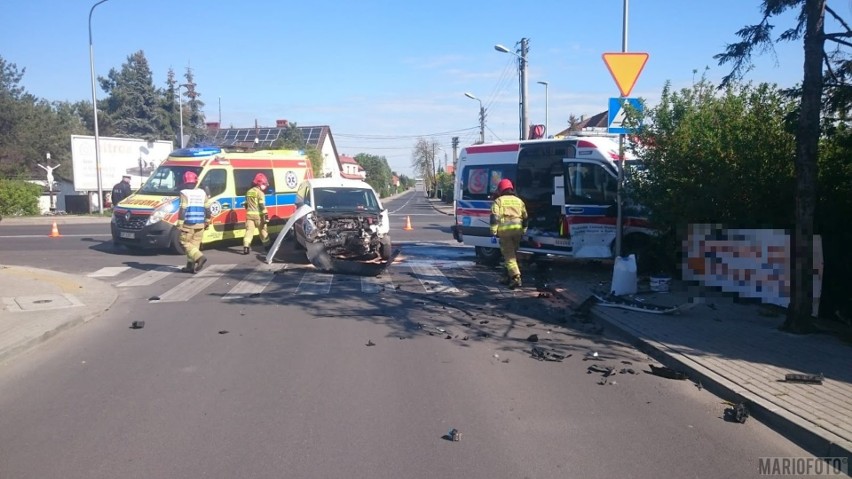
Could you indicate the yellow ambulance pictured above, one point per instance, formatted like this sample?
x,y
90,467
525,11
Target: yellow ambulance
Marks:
x,y
147,218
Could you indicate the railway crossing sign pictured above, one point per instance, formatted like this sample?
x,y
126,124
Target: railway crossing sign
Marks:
x,y
625,69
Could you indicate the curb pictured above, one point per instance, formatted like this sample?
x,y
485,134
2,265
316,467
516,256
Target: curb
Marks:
x,y
432,203
801,432
97,298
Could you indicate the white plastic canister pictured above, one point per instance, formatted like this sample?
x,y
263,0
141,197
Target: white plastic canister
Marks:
x,y
624,275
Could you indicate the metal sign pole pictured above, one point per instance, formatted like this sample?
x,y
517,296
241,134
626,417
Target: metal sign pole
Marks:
x,y
619,227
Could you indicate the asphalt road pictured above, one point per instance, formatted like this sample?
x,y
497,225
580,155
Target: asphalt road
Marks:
x,y
311,376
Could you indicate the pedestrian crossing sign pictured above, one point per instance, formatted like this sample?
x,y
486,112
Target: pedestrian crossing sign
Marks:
x,y
618,114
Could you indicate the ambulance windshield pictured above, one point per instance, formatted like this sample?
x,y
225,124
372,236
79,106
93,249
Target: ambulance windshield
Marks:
x,y
167,180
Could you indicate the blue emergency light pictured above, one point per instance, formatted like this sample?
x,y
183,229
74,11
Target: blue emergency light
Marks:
x,y
193,152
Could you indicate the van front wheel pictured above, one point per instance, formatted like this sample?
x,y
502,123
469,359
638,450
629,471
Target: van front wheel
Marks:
x,y
489,256
174,243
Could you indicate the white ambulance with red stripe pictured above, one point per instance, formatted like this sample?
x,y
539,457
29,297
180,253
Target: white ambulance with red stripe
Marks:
x,y
569,186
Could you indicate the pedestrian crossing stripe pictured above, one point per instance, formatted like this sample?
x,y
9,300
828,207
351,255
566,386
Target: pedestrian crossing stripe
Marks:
x,y
311,282
254,283
108,272
200,281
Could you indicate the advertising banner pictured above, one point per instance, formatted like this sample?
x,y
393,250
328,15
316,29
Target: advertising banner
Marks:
x,y
119,157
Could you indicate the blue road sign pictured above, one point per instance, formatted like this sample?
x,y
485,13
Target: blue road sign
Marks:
x,y
617,115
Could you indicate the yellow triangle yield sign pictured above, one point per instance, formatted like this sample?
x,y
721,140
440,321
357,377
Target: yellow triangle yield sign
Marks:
x,y
625,69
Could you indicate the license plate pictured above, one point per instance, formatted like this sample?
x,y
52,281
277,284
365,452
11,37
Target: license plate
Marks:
x,y
125,234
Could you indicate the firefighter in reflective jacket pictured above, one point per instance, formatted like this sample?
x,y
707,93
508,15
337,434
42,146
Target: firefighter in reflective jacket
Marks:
x,y
509,223
256,214
193,219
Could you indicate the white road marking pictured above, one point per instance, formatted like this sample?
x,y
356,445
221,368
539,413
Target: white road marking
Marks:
x,y
254,283
377,284
189,288
315,283
433,280
108,272
150,277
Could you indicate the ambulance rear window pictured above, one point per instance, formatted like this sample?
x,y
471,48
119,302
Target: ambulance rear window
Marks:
x,y
480,181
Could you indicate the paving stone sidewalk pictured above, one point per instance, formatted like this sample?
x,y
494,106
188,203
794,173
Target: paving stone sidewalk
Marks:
x,y
738,352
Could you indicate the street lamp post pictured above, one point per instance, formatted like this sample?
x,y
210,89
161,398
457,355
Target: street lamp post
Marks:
x,y
522,73
95,113
481,117
546,112
180,109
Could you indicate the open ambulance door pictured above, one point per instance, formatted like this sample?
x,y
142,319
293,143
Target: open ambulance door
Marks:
x,y
590,210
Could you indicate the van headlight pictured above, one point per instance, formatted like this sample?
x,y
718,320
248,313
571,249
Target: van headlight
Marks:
x,y
310,228
163,211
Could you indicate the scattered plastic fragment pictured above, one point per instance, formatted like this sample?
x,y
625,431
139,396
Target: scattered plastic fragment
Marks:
x,y
371,343
805,378
542,354
594,368
224,331
484,321
154,298
737,413
592,356
454,435
627,371
533,338
137,325
666,372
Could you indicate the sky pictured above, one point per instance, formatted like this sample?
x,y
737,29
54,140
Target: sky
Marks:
x,y
384,73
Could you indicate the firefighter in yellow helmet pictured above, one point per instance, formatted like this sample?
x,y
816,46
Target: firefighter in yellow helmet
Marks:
x,y
193,219
509,223
256,215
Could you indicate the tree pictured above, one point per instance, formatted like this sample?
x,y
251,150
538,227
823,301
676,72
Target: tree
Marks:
x,y
423,162
715,157
133,106
195,122
315,156
169,114
810,27
291,138
379,174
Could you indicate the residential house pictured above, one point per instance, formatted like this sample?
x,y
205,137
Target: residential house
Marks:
x,y
351,169
263,137
593,125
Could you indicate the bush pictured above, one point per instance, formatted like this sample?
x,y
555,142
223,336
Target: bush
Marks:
x,y
19,198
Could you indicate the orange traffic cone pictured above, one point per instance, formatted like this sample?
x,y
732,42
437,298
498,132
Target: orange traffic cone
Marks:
x,y
54,232
408,224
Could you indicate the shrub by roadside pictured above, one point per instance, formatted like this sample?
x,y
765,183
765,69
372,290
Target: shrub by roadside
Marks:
x,y
18,198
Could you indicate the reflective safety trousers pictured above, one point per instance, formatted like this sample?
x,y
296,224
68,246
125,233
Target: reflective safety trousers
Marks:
x,y
255,203
508,213
193,206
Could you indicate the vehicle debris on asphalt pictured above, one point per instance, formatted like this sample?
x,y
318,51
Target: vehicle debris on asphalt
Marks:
x,y
542,354
804,378
453,435
224,331
667,372
737,413
137,325
370,343
533,338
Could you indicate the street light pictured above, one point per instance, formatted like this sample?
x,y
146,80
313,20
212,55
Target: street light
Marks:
x,y
481,117
180,108
546,113
522,73
95,113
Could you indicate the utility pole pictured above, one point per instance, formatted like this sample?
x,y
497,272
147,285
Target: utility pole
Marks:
x,y
522,66
481,123
455,152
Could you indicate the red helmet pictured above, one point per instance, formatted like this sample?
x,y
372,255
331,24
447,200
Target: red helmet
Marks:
x,y
260,179
505,184
190,177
